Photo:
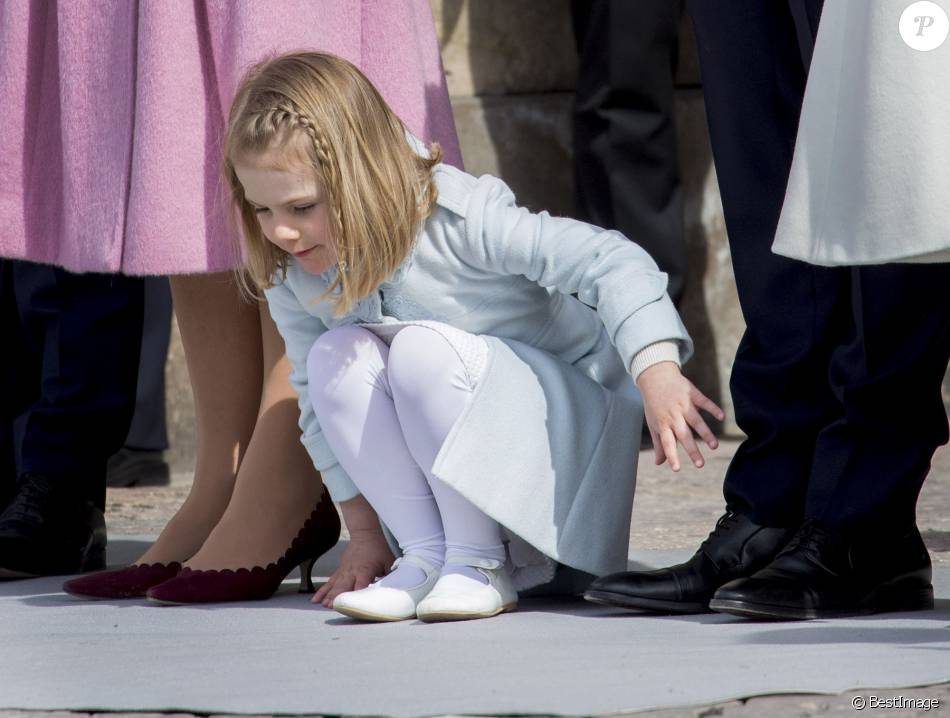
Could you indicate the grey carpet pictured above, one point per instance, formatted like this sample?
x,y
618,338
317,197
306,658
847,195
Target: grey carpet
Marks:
x,y
551,657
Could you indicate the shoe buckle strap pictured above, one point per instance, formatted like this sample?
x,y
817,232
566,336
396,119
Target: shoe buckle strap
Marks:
x,y
474,561
414,560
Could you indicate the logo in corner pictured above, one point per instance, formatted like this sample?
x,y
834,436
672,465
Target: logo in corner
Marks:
x,y
924,25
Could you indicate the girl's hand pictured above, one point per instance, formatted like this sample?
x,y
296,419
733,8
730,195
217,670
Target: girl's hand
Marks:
x,y
366,558
672,404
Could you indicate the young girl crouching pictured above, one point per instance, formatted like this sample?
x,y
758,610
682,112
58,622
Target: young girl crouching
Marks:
x,y
445,372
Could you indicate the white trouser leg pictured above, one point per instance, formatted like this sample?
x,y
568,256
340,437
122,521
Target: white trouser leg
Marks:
x,y
350,393
430,389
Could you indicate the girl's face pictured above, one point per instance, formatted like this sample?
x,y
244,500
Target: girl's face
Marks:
x,y
291,207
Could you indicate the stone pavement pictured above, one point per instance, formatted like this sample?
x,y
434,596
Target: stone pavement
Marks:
x,y
671,511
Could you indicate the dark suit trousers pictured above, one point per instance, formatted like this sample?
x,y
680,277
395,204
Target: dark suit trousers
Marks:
x,y
148,431
626,171
68,372
836,381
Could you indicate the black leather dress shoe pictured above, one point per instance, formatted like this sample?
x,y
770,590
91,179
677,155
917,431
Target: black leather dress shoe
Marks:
x,y
137,467
736,547
821,574
48,530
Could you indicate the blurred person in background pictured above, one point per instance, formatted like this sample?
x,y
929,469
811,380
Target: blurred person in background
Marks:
x,y
141,460
626,169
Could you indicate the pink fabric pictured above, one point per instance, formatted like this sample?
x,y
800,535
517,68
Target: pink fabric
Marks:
x,y
113,114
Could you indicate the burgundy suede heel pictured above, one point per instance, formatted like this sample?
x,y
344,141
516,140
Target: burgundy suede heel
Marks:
x,y
127,582
318,535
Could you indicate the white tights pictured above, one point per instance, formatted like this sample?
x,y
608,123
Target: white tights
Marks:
x,y
385,412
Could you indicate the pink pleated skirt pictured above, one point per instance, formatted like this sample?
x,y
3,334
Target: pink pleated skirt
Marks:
x,y
112,114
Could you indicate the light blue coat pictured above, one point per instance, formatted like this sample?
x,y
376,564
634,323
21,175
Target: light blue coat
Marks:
x,y
548,444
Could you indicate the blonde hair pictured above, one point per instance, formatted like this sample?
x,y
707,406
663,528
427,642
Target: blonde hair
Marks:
x,y
378,189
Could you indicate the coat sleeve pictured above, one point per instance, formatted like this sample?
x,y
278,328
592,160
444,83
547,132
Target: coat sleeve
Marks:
x,y
605,269
300,330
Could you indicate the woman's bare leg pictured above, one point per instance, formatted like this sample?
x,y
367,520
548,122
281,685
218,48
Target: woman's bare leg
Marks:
x,y
221,335
277,486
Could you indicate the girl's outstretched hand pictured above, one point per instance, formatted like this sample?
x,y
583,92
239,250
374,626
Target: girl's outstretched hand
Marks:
x,y
672,405
364,559
367,556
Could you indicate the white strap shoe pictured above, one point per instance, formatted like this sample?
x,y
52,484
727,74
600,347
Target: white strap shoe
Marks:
x,y
382,603
458,598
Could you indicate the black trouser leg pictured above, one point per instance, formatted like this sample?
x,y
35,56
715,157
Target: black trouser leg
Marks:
x,y
753,79
83,331
148,430
625,162
19,376
886,374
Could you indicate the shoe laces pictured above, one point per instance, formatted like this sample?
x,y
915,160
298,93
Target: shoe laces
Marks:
x,y
809,538
726,523
815,544
33,497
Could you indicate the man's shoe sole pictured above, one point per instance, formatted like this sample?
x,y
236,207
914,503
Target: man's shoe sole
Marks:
x,y
653,605
91,558
7,574
879,602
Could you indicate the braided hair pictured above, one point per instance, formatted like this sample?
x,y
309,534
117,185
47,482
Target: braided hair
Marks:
x,y
379,189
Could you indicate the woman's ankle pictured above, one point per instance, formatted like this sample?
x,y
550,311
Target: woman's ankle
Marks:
x,y
184,534
255,530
